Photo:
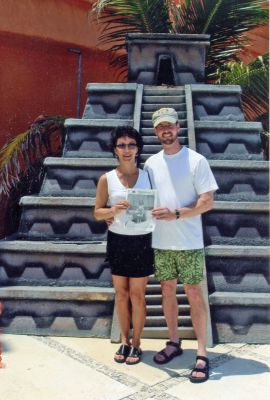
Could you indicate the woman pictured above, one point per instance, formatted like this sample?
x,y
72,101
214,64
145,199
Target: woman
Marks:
x,y
129,253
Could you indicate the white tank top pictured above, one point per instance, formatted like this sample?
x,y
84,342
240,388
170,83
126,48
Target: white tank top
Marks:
x,y
117,192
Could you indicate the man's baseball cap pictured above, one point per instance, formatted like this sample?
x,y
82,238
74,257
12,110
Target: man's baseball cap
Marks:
x,y
164,115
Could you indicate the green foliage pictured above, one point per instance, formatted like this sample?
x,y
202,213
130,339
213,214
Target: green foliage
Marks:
x,y
254,80
225,20
119,17
19,155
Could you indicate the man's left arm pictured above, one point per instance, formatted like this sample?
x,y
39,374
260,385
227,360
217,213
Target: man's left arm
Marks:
x,y
204,203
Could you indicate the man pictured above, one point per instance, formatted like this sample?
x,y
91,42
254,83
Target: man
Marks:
x,y
185,186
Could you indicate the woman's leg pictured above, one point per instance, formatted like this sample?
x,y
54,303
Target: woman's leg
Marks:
x,y
122,301
137,297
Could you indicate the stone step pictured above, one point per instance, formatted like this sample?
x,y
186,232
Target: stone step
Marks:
x,y
151,149
164,99
147,123
229,140
163,91
216,89
184,309
162,333
91,135
160,322
242,299
155,299
240,317
62,311
237,268
60,218
154,140
115,100
182,115
156,288
151,132
236,178
243,223
71,218
53,263
243,206
74,176
154,107
88,154
217,103
113,87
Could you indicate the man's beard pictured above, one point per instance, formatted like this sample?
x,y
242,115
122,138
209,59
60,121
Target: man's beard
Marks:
x,y
168,140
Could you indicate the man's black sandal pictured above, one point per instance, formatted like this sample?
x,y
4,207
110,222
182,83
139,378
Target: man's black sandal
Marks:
x,y
166,358
134,353
204,370
122,351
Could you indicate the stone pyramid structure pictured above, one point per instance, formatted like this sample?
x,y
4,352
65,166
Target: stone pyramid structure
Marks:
x,y
53,275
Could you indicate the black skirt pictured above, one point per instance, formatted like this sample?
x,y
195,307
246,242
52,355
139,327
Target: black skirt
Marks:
x,y
130,256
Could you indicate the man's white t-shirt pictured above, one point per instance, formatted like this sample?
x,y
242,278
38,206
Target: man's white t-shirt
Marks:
x,y
179,179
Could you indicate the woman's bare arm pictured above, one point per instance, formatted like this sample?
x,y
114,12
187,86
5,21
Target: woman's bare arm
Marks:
x,y
102,212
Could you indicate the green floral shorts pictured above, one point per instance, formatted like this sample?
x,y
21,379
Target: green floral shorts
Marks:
x,y
184,265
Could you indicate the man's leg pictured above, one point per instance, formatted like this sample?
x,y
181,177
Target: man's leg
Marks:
x,y
170,310
170,307
199,320
166,273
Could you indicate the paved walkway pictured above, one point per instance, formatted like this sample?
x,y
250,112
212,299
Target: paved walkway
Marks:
x,y
57,368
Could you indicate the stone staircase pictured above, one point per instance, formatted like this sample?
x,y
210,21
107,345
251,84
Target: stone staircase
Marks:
x,y
155,97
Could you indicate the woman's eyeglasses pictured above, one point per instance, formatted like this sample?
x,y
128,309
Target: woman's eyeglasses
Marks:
x,y
130,146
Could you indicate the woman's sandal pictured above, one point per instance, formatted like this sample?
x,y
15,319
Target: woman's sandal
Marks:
x,y
123,351
166,358
134,353
204,370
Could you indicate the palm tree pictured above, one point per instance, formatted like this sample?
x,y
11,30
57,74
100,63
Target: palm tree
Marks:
x,y
18,156
225,20
21,166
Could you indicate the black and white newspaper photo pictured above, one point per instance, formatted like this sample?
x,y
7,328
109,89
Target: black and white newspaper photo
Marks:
x,y
138,216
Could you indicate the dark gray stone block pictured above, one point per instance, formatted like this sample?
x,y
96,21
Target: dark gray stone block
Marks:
x,y
229,140
90,138
72,311
238,269
74,177
54,264
156,59
217,103
237,223
60,219
241,180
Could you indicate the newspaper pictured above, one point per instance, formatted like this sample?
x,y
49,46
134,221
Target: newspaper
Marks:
x,y
138,216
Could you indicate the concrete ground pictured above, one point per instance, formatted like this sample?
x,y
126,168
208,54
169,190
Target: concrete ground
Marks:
x,y
65,368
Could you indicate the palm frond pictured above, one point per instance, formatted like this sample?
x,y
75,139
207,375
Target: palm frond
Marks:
x,y
20,153
225,20
254,80
119,17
